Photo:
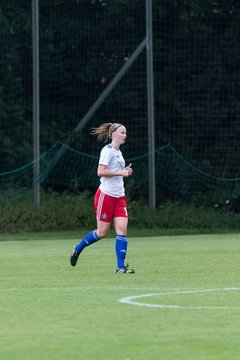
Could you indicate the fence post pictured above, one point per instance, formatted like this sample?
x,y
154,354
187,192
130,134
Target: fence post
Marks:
x,y
36,104
150,96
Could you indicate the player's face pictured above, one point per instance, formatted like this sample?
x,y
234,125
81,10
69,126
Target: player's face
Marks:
x,y
120,135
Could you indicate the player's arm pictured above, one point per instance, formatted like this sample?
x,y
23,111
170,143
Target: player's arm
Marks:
x,y
104,171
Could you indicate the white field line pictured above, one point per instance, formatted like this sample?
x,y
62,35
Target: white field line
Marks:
x,y
130,300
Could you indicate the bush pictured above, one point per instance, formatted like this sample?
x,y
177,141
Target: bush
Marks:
x,y
182,216
68,211
57,212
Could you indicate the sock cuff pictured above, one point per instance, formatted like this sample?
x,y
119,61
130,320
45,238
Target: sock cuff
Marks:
x,y
94,232
121,237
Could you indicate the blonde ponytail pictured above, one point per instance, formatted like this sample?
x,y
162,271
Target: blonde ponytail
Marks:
x,y
104,131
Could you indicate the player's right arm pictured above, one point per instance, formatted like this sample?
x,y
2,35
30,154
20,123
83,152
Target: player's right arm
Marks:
x,y
104,171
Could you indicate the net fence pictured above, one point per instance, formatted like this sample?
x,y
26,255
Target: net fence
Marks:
x,y
83,45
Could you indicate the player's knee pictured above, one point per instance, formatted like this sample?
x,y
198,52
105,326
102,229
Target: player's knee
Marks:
x,y
102,233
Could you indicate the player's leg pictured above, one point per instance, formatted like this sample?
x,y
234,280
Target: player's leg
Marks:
x,y
120,225
121,243
89,239
101,208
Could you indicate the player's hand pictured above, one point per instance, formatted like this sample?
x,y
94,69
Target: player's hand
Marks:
x,y
127,171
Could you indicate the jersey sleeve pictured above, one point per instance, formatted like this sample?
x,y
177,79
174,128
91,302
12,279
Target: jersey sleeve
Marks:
x,y
105,156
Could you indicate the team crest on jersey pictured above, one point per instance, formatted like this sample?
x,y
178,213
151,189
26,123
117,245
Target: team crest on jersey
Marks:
x,y
104,216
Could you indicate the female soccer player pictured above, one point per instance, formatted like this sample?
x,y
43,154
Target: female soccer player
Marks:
x,y
110,201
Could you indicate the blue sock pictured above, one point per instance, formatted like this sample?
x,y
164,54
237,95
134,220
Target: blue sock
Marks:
x,y
89,239
121,249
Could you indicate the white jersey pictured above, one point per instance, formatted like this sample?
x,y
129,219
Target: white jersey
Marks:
x,y
113,159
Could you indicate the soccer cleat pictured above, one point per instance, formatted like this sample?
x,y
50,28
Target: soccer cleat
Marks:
x,y
74,257
124,270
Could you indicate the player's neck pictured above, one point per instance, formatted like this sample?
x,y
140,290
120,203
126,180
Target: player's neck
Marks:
x,y
115,145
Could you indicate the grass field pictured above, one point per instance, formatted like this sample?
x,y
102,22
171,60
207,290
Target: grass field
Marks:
x,y
50,310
